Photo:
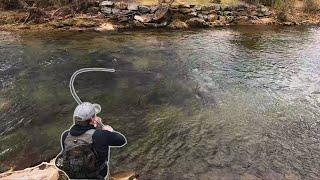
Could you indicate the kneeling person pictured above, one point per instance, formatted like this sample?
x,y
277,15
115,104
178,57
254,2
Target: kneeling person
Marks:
x,y
85,147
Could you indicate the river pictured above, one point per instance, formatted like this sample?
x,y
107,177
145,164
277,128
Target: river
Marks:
x,y
234,103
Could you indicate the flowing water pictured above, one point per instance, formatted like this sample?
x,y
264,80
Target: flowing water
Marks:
x,y
235,103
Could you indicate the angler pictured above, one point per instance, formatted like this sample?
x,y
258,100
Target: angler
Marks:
x,y
86,145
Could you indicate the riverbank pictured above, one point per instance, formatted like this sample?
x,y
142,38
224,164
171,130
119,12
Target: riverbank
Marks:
x,y
109,15
48,171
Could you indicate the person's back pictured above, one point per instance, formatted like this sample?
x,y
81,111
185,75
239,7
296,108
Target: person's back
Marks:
x,y
85,147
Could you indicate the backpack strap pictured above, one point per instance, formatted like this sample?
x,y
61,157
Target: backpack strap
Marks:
x,y
90,131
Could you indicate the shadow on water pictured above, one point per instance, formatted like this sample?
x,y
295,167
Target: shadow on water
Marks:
x,y
231,103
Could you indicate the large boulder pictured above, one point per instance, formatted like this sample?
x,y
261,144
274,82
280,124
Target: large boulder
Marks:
x,y
264,11
143,18
144,9
106,10
161,14
133,6
121,5
197,22
202,16
107,4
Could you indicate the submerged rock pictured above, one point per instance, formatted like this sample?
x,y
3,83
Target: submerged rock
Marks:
x,y
157,25
138,24
197,22
177,24
263,21
105,27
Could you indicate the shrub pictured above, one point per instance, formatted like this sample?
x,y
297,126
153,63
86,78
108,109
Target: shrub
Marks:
x,y
10,4
311,6
18,4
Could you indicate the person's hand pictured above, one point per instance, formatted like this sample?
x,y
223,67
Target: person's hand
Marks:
x,y
98,120
97,123
107,128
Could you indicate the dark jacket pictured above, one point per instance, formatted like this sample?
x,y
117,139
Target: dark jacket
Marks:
x,y
101,141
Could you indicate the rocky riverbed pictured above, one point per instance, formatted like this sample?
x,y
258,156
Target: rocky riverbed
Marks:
x,y
109,15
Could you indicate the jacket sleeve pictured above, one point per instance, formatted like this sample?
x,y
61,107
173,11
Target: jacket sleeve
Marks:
x,y
102,139
117,139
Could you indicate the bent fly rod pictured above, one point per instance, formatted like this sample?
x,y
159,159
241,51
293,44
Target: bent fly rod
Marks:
x,y
83,70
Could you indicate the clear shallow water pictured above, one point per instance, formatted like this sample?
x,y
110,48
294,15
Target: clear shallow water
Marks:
x,y
233,103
